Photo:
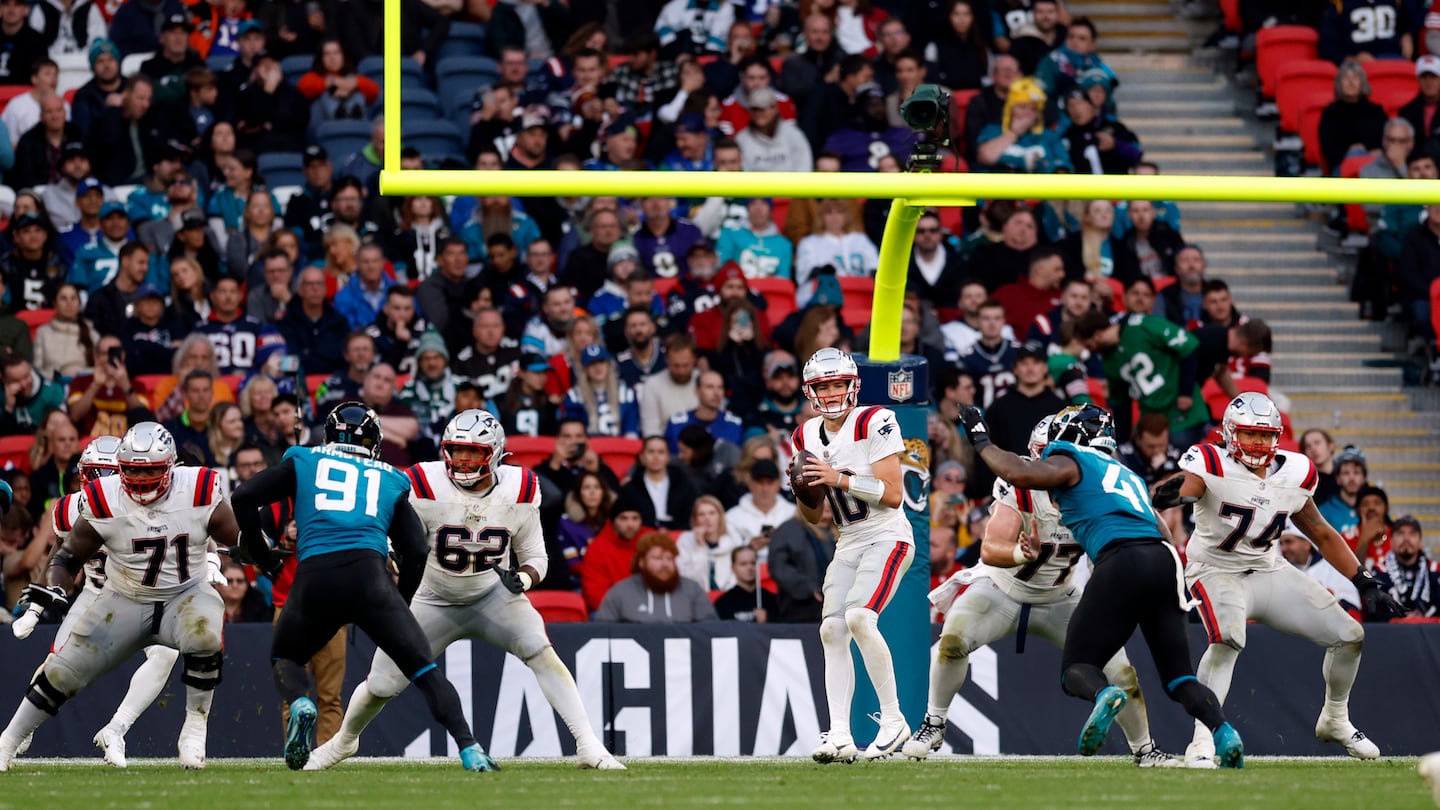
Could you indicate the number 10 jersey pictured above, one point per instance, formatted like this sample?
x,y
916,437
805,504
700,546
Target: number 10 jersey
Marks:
x,y
866,436
1241,515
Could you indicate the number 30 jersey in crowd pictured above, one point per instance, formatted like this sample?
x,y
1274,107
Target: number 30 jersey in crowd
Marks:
x,y
1241,516
867,435
471,531
1047,578
342,501
153,551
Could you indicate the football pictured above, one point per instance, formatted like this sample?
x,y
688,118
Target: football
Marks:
x,y
810,494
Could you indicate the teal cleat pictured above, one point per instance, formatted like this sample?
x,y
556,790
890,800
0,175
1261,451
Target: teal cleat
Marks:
x,y
1107,704
297,737
474,758
1229,750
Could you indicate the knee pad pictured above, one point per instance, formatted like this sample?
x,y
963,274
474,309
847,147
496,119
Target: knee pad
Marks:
x,y
45,696
203,671
861,621
834,630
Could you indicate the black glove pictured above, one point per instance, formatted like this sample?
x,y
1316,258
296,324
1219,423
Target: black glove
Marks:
x,y
975,428
1167,494
51,598
511,580
1379,606
255,551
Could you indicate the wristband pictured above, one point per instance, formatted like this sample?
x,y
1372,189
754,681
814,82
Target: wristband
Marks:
x,y
1019,554
867,488
526,581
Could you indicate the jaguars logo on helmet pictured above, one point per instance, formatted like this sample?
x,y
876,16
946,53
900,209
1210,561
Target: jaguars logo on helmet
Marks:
x,y
1085,426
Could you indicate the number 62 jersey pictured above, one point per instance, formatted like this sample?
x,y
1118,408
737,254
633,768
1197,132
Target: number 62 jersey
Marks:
x,y
1241,515
866,436
471,532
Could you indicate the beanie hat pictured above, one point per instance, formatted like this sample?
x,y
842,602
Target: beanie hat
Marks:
x,y
626,501
432,342
99,46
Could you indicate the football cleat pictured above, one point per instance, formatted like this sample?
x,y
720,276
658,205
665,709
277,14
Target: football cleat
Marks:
x,y
1107,704
1150,756
834,748
893,734
1430,771
1200,754
474,758
192,745
112,743
1229,750
1339,730
598,759
6,757
332,753
29,738
927,740
297,736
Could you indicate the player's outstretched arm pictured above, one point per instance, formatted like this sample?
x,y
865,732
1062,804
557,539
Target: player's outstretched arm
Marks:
x,y
1177,490
407,537
1055,472
1003,545
266,487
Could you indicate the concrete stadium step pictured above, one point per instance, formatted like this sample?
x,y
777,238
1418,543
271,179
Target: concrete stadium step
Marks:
x,y
1188,141
1280,293
1143,42
1358,419
1219,257
1299,378
1192,162
1277,310
1212,89
1272,241
1221,124
1416,492
1191,107
1237,210
1338,330
1288,344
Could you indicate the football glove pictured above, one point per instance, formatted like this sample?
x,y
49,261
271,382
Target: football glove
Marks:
x,y
976,430
514,581
1167,494
1379,606
50,597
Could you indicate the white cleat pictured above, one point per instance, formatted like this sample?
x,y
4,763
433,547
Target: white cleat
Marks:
x,y
1339,730
332,753
598,759
25,744
835,748
1430,771
6,756
1152,757
927,740
112,743
192,745
1200,755
893,734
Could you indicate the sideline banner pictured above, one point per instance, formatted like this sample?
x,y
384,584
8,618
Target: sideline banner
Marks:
x,y
733,689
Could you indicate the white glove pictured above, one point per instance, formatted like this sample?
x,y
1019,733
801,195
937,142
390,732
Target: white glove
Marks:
x,y
25,624
214,570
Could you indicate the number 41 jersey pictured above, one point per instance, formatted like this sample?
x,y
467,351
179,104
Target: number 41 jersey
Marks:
x,y
471,532
153,551
1241,516
866,436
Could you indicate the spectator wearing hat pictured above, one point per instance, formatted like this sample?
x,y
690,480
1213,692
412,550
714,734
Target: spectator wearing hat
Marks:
x,y
768,142
1297,550
1420,111
779,410
106,82
611,299
1351,473
1021,142
89,196
609,554
108,307
270,114
1036,293
1030,399
693,151
1097,145
182,212
362,297
1408,573
192,242
655,593
61,195
249,43
166,169
760,509
757,246
432,389
307,211
709,413
149,338
41,150
1369,538
22,44
600,398
526,408
664,241
731,287
31,269
755,75
620,146
172,59
95,264
868,135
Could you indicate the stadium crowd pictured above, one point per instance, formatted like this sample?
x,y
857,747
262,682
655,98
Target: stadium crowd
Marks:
x,y
201,240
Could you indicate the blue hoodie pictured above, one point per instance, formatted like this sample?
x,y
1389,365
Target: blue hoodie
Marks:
x,y
352,302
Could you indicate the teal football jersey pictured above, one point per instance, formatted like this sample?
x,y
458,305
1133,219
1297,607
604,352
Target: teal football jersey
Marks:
x,y
1108,503
343,502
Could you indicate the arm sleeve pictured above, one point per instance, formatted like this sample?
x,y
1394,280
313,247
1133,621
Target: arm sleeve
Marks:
x,y
407,535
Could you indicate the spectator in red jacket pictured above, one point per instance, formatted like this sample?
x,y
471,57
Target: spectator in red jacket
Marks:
x,y
1035,293
607,558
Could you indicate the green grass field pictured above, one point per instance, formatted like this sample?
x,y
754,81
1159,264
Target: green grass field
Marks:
x,y
944,782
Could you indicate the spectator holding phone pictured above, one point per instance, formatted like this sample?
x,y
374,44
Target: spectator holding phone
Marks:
x,y
100,402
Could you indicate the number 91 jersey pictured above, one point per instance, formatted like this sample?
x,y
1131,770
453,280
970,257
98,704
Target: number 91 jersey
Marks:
x,y
153,551
343,502
471,532
866,436
1241,515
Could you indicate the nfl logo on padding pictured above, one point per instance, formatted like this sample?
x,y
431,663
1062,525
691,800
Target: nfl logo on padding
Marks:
x,y
902,385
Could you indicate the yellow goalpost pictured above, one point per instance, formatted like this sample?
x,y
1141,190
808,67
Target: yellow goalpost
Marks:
x,y
912,193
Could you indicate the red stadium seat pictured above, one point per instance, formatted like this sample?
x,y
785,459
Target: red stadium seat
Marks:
x,y
69,95
1216,399
766,583
1310,134
15,451
234,381
559,606
715,596
1231,11
1162,282
149,382
1096,389
779,209
1280,44
1354,213
1117,291
529,451
619,454
35,318
859,292
1300,80
10,91
779,293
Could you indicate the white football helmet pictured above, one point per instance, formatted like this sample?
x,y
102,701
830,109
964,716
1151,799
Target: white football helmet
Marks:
x,y
1039,436
481,430
146,458
1252,411
98,459
824,366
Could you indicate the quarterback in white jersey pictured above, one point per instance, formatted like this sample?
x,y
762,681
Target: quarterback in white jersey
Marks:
x,y
1243,494
475,509
853,455
1025,583
153,521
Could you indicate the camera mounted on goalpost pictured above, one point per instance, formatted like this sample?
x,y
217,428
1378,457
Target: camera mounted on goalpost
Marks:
x,y
927,111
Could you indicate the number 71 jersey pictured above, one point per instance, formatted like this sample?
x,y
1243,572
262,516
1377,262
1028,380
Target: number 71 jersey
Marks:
x,y
153,551
1241,515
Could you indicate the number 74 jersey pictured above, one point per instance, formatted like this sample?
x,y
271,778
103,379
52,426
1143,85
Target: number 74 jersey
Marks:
x,y
1241,515
471,533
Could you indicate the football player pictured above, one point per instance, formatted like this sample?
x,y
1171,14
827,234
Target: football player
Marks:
x,y
346,504
1025,582
153,521
851,457
1243,494
474,508
1136,580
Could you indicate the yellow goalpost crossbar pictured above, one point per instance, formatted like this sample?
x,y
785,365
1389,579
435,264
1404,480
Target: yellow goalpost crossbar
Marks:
x,y
911,192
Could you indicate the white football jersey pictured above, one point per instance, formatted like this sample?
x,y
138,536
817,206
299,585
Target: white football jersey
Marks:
x,y
471,533
1241,515
867,435
63,514
153,551
1048,578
